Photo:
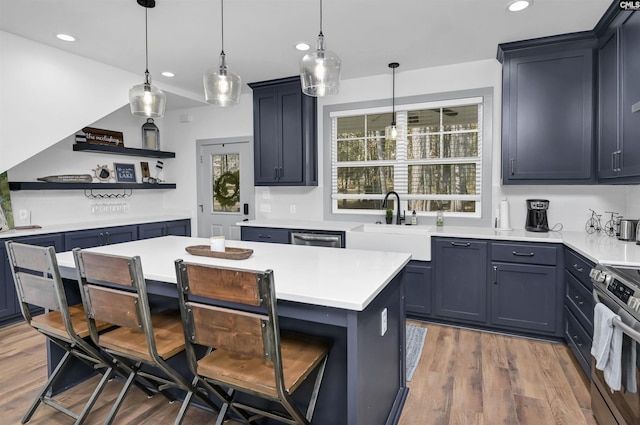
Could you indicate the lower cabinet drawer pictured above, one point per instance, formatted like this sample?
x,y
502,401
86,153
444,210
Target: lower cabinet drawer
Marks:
x,y
524,253
265,234
579,341
580,301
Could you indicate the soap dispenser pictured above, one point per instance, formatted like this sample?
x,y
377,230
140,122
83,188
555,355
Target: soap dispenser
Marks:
x,y
439,218
414,218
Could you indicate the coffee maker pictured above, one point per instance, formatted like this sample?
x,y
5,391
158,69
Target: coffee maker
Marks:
x,y
537,215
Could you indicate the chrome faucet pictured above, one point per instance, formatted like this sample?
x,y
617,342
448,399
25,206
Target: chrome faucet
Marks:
x,y
399,219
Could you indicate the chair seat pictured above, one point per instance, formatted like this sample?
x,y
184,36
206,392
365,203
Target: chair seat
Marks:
x,y
300,355
167,328
52,322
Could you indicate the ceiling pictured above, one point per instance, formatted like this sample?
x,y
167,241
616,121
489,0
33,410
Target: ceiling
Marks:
x,y
260,35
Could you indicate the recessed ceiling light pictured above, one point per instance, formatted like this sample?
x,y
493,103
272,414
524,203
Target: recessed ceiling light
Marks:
x,y
518,5
66,37
168,74
302,46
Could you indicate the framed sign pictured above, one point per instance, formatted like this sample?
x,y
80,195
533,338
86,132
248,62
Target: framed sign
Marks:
x,y
99,136
125,173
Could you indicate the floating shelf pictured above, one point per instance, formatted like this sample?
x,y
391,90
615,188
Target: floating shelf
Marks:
x,y
92,186
119,150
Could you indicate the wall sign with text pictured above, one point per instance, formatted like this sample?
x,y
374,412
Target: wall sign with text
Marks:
x,y
125,173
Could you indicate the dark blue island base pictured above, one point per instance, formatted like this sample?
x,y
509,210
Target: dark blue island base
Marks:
x,y
364,382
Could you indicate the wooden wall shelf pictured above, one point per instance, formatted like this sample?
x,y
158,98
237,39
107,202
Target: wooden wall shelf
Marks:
x,y
92,186
119,150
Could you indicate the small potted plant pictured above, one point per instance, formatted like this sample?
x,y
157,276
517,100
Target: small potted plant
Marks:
x,y
389,216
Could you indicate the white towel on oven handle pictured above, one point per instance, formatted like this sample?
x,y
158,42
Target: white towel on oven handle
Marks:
x,y
607,345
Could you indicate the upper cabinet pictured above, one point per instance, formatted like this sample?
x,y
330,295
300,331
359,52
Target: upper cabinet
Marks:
x,y
284,134
619,99
548,110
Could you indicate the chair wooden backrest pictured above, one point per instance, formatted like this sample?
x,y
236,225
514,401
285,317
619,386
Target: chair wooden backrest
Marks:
x,y
37,280
245,319
114,290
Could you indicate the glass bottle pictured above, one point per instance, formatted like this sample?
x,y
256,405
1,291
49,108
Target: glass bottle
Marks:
x,y
439,218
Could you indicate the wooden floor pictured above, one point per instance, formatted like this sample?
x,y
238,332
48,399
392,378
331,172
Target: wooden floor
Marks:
x,y
464,378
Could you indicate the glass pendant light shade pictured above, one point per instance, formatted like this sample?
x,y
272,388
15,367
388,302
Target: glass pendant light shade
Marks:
x,y
146,100
391,132
221,86
320,71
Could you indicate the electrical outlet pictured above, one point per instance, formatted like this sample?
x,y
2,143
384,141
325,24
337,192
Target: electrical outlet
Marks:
x,y
265,208
24,218
292,208
383,322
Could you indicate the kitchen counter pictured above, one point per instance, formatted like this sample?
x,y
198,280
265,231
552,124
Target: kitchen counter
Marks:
x,y
599,248
347,279
82,225
355,298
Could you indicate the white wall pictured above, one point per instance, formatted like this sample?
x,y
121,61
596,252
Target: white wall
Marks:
x,y
68,110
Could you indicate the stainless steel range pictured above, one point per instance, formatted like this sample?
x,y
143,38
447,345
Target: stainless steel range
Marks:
x,y
618,288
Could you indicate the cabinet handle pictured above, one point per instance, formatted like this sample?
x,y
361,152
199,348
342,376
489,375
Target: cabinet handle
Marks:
x,y
264,236
575,266
101,238
495,275
619,161
523,254
613,161
281,173
108,238
577,297
461,244
275,173
512,165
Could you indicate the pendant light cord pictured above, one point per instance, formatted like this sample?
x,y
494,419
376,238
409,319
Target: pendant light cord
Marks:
x,y
321,17
393,95
146,41
222,23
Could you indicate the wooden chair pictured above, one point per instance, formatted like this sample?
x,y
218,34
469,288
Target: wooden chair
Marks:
x,y
38,283
233,312
113,289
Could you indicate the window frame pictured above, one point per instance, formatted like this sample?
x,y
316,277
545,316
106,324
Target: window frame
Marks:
x,y
482,96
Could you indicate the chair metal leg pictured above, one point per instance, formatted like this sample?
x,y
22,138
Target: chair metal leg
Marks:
x,y
116,405
316,389
223,410
94,397
43,393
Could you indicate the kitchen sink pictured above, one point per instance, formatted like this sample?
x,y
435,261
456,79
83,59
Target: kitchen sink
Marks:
x,y
415,240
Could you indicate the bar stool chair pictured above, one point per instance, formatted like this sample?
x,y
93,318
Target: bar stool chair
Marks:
x,y
38,283
113,289
233,312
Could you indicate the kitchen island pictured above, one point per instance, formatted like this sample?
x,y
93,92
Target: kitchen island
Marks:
x,y
341,294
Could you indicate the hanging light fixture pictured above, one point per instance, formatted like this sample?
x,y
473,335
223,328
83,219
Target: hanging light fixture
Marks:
x,y
392,131
320,69
146,100
221,86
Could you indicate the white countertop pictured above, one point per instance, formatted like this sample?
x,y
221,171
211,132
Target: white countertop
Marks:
x,y
341,278
82,225
599,248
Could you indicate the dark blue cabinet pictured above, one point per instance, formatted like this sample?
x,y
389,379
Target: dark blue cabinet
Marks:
x,y
264,234
460,287
578,305
284,134
9,309
418,288
98,237
618,91
548,111
165,228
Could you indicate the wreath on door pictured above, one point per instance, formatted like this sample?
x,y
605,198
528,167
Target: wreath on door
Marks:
x,y
226,188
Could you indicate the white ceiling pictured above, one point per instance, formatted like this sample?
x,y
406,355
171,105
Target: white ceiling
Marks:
x,y
184,35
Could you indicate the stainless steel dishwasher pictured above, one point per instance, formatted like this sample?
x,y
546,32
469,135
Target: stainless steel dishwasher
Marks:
x,y
328,239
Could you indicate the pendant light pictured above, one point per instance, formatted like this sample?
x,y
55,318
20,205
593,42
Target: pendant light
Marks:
x,y
146,100
392,131
320,69
221,86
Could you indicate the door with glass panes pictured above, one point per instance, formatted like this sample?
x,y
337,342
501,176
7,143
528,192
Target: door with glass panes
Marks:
x,y
225,186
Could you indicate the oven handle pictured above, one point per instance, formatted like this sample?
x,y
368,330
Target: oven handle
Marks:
x,y
632,333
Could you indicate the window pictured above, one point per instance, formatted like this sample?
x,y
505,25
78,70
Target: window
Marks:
x,y
435,163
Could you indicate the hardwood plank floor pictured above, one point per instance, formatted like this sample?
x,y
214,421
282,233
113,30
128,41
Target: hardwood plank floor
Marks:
x,y
467,377
464,377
